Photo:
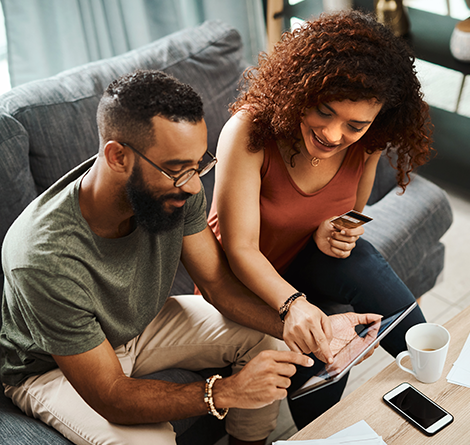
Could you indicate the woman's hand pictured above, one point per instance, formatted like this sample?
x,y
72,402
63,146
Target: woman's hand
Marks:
x,y
336,241
307,329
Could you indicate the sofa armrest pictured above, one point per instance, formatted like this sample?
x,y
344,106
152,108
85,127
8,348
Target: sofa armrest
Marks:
x,y
406,226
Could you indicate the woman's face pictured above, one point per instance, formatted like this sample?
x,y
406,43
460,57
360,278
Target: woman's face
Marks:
x,y
332,127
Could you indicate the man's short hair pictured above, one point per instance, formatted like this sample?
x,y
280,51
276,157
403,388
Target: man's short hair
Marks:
x,y
130,102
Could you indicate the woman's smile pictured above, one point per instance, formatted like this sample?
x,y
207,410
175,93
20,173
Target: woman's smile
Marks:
x,y
332,127
323,144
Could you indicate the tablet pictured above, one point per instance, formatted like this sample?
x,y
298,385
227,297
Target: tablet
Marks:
x,y
350,354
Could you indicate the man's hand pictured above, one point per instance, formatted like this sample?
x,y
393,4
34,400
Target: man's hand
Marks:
x,y
336,241
261,382
307,329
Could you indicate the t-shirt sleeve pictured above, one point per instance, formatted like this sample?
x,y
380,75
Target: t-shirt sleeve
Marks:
x,y
57,312
195,218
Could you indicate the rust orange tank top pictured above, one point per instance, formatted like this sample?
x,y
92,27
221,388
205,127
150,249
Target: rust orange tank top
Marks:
x,y
288,215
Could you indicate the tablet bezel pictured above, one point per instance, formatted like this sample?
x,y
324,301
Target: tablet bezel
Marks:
x,y
307,388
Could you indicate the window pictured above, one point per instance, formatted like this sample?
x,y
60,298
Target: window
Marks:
x,y
442,87
4,75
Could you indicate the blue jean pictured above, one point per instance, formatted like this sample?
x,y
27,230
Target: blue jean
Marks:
x,y
365,281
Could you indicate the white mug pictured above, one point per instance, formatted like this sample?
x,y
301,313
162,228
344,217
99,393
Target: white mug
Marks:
x,y
427,345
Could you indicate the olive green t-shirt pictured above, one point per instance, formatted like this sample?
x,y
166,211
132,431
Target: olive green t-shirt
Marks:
x,y
67,290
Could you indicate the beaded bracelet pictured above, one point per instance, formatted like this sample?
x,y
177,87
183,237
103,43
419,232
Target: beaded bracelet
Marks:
x,y
208,398
284,309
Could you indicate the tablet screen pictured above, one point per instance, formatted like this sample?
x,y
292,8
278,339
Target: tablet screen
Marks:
x,y
352,352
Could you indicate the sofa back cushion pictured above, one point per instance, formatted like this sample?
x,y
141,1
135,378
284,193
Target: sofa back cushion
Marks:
x,y
47,127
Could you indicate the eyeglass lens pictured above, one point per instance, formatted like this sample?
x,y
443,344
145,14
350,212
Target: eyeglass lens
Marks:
x,y
190,173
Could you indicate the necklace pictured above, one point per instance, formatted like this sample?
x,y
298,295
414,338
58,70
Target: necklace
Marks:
x,y
314,162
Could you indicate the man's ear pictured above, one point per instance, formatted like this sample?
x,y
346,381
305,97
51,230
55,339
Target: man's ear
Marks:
x,y
117,157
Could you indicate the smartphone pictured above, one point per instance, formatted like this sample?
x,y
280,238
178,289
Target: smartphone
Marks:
x,y
418,409
351,219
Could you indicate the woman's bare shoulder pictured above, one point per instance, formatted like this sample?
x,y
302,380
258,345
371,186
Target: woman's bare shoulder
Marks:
x,y
242,120
234,139
373,157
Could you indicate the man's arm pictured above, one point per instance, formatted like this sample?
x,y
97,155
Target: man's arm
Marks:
x,y
98,377
205,261
207,265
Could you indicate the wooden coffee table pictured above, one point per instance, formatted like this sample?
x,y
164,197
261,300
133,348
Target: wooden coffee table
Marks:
x,y
365,403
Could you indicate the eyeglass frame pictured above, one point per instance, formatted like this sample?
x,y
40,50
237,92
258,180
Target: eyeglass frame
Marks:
x,y
175,179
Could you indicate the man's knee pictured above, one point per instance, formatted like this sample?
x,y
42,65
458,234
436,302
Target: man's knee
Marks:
x,y
274,344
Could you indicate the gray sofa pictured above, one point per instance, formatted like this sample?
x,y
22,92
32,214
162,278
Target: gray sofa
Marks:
x,y
47,127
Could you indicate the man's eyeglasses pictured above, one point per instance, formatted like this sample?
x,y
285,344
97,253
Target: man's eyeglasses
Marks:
x,y
184,177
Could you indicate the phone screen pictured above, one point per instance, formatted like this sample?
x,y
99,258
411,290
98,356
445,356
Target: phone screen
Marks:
x,y
417,407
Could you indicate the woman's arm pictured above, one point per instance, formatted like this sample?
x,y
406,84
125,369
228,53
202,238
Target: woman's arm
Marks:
x,y
238,184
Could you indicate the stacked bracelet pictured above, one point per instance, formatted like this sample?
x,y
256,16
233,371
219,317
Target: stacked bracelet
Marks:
x,y
284,309
208,398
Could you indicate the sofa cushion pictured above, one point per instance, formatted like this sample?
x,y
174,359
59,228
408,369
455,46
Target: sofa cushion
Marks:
x,y
59,113
16,182
406,230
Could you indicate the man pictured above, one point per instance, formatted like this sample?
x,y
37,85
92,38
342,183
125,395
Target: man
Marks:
x,y
88,270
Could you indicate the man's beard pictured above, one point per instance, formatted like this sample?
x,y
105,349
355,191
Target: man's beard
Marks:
x,y
149,211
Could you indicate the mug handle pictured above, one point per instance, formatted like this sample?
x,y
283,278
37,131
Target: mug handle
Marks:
x,y
400,357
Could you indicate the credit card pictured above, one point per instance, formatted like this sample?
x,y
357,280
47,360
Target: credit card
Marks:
x,y
351,219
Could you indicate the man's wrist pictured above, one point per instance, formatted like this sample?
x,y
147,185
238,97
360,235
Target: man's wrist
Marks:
x,y
220,413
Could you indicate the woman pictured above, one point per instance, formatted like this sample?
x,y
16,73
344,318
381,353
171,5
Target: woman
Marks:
x,y
302,147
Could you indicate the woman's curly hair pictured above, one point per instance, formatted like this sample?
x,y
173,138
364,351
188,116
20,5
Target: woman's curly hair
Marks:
x,y
339,56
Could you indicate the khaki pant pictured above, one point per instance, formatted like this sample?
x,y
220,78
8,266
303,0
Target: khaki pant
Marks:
x,y
188,333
